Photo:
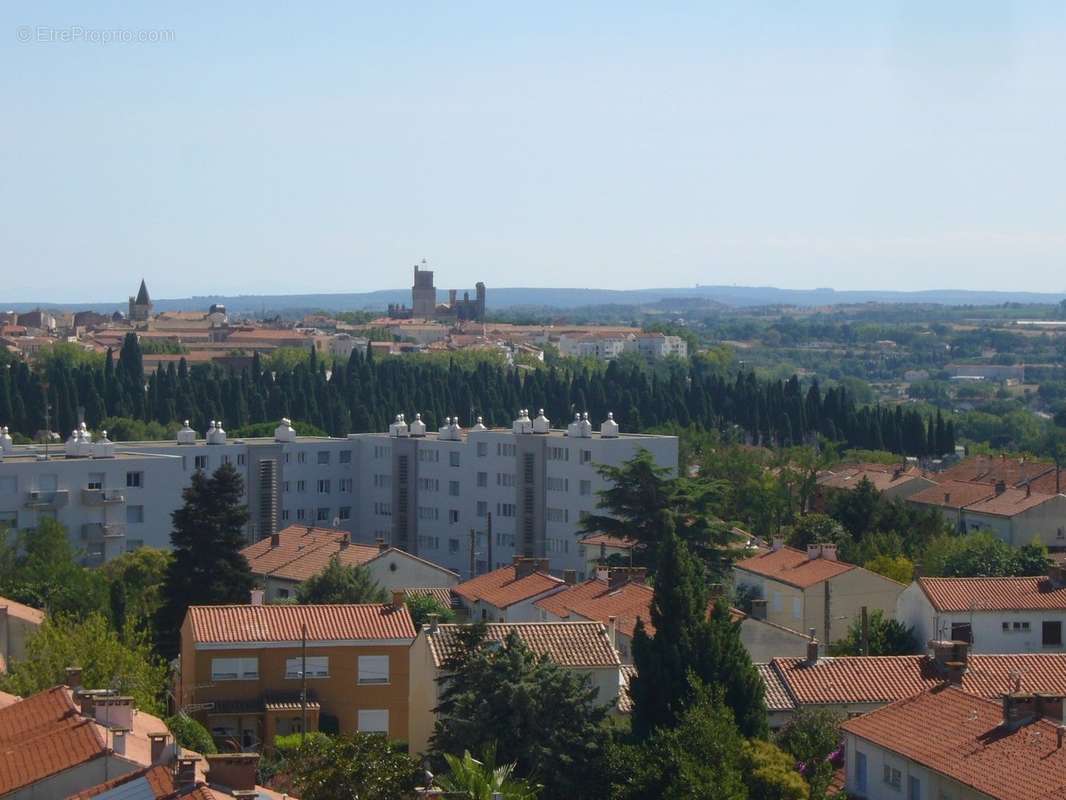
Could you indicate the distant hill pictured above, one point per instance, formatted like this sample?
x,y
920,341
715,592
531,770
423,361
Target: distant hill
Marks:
x,y
564,298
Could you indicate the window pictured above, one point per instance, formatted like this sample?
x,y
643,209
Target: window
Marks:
x,y
285,486
505,479
797,608
344,512
241,459
453,516
301,486
961,632
373,669
453,458
504,449
453,545
317,667
322,514
225,459
428,484
344,486
558,515
914,788
383,509
558,454
135,514
382,451
453,488
432,456
482,480
9,519
323,485
200,462
892,776
300,513
96,481
585,488
482,508
283,593
285,515
860,771
382,481
586,456
135,480
505,509
234,669
428,513
1052,634
301,458
323,456
482,449
373,721
346,457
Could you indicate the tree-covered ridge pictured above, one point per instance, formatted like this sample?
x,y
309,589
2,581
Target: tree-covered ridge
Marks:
x,y
364,393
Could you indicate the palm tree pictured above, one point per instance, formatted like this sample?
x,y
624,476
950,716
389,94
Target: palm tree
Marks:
x,y
483,780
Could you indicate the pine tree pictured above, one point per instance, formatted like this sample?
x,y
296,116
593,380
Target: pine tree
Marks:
x,y
207,566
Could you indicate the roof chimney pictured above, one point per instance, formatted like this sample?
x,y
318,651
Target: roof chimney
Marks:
x,y
758,609
434,622
382,546
1001,487
185,774
777,543
257,597
947,498
345,541
612,631
1019,708
118,742
617,577
398,596
812,650
275,540
159,747
235,771
951,659
524,567
73,679
570,576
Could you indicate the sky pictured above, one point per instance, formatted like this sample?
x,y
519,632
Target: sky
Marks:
x,y
263,148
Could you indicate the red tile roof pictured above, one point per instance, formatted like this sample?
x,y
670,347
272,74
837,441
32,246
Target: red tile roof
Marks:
x,y
569,644
777,696
882,476
36,713
994,594
1010,502
441,594
884,679
961,736
283,623
625,700
793,567
595,600
160,781
953,494
22,612
499,587
597,539
989,469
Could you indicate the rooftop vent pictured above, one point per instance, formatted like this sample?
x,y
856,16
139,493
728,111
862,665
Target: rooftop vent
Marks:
x,y
523,424
399,427
104,447
285,432
7,444
186,435
609,428
418,427
541,424
215,434
479,426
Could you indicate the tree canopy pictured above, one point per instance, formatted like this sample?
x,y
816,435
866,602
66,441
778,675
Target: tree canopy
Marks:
x,y
341,583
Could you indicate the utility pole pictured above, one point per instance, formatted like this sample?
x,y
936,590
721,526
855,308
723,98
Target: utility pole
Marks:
x,y
488,534
473,553
828,617
865,633
303,681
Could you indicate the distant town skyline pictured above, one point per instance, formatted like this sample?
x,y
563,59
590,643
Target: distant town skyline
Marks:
x,y
896,146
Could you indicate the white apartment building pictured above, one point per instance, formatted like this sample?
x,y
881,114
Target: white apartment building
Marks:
x,y
604,347
468,499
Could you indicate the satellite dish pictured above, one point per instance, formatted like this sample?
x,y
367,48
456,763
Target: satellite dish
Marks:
x,y
336,522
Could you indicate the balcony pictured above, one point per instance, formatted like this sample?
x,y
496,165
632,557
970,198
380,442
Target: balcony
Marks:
x,y
101,531
47,501
102,497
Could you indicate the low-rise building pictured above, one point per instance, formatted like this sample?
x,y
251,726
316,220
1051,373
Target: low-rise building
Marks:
x,y
509,594
284,560
946,743
891,480
996,615
244,668
17,623
813,590
582,647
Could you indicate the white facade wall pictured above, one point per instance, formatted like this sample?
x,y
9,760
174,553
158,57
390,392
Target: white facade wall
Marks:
x,y
348,483
929,784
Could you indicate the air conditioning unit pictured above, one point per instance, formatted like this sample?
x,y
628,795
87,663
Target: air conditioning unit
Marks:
x,y
35,495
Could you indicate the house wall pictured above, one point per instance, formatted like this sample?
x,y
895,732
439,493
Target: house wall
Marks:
x,y
1045,523
989,636
397,570
14,631
914,610
765,642
76,779
933,785
784,603
848,593
905,489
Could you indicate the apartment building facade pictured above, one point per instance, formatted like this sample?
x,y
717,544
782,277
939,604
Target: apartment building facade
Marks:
x,y
468,499
242,669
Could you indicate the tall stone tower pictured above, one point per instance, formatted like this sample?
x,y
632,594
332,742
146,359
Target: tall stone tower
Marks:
x,y
141,305
423,294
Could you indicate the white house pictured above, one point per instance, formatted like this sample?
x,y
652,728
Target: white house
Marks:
x,y
997,615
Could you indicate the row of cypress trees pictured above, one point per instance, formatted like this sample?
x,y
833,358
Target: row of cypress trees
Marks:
x,y
364,393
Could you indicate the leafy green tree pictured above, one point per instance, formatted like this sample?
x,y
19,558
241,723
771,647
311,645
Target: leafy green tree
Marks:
x,y
341,583
698,759
141,572
207,566
887,637
39,568
190,734
686,643
856,509
542,717
812,737
421,606
982,554
770,773
107,662
351,767
898,568
817,529
484,780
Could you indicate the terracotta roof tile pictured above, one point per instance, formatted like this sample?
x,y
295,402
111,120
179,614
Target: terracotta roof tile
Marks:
x,y
625,701
953,494
282,623
885,679
22,611
961,736
1010,502
569,644
880,475
595,600
777,696
794,567
159,779
35,714
596,539
59,747
994,594
441,594
988,469
499,587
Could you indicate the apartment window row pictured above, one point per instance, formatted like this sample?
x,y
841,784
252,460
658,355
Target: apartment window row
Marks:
x,y
344,485
556,453
426,455
429,513
505,479
428,542
428,484
505,509
371,670
505,449
382,451
381,481
558,514
324,485
558,484
504,539
382,509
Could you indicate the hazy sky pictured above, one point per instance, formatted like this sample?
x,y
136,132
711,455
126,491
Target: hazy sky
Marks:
x,y
271,148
